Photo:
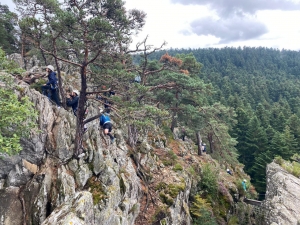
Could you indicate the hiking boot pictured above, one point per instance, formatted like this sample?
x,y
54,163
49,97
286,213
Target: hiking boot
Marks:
x,y
112,140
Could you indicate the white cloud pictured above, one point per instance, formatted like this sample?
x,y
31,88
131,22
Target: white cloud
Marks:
x,y
10,4
173,23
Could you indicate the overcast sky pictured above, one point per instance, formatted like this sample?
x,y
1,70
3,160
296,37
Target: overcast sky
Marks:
x,y
218,23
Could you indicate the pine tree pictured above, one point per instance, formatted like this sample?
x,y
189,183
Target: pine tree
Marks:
x,y
294,125
82,34
256,142
278,145
290,143
262,115
8,34
239,132
258,171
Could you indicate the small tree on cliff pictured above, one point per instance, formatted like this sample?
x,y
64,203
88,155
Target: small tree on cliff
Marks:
x,y
17,117
85,33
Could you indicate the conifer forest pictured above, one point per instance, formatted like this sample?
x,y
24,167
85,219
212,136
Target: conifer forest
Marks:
x,y
261,85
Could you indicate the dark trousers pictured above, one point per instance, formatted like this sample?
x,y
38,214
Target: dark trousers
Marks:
x,y
51,93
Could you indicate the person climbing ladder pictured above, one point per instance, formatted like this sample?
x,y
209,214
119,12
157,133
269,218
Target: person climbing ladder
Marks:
x,y
106,124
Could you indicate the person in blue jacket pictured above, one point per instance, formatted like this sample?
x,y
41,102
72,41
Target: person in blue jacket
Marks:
x,y
50,89
72,100
106,124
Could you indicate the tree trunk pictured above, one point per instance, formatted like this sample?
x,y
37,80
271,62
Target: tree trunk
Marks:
x,y
81,111
174,117
210,140
173,123
199,143
61,90
44,57
132,135
23,51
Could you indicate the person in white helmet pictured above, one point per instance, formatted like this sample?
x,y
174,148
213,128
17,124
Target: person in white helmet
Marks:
x,y
72,100
50,89
229,171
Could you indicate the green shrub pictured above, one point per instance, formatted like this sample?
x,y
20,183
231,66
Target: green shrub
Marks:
x,y
296,169
38,85
171,155
205,219
291,167
160,186
96,190
159,215
201,212
233,221
170,159
209,180
17,116
166,199
296,157
167,131
167,162
9,66
191,171
177,167
197,204
173,189
279,160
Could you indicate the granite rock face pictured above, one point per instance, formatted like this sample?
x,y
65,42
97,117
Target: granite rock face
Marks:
x,y
44,184
282,203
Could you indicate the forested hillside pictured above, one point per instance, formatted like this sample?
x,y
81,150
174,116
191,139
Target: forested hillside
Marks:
x,y
262,85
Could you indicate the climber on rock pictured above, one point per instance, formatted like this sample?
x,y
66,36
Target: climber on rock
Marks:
x,y
203,147
105,99
106,124
229,172
244,185
72,100
137,79
50,89
183,133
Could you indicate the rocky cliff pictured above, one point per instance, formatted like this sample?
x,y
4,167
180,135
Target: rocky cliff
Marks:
x,y
44,185
113,184
282,203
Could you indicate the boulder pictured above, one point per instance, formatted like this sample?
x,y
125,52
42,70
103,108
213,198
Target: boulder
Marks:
x,y
282,201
